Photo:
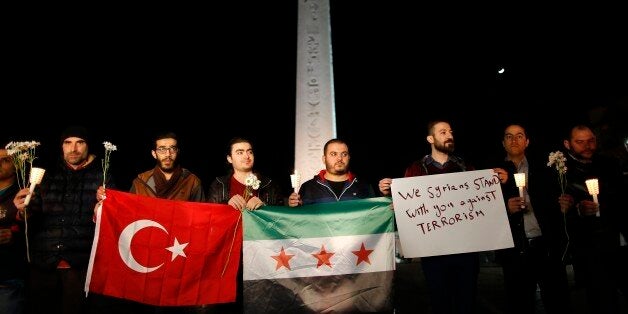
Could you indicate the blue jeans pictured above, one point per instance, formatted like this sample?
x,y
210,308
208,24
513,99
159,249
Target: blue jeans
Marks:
x,y
12,296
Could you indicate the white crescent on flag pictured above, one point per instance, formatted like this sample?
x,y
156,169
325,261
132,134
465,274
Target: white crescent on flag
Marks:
x,y
126,237
163,252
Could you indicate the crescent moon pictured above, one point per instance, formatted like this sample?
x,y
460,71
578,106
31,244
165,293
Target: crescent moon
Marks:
x,y
124,244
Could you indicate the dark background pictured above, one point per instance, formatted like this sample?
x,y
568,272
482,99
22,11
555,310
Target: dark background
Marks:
x,y
396,66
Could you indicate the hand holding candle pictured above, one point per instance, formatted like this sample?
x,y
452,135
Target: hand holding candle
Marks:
x,y
295,179
594,190
520,180
37,174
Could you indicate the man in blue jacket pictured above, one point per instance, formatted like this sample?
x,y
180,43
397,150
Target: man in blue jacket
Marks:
x,y
335,183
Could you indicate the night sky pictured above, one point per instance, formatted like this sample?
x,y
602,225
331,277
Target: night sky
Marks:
x,y
397,65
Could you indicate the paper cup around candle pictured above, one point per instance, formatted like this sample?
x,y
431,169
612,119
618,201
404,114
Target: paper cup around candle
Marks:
x,y
35,177
295,180
592,186
520,179
37,174
594,190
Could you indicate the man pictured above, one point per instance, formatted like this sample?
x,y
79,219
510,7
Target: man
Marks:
x,y
335,183
61,229
537,231
451,279
168,179
594,239
12,245
230,189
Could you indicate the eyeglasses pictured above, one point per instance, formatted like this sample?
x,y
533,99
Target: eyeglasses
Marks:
x,y
513,137
162,150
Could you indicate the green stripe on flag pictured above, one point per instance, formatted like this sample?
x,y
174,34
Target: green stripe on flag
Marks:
x,y
365,216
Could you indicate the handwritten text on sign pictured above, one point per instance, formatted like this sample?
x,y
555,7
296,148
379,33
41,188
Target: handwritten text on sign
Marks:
x,y
450,213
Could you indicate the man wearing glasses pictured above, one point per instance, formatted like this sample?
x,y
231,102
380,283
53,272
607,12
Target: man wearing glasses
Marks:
x,y
168,179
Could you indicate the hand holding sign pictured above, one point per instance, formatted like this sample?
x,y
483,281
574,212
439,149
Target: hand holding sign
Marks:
x,y
451,213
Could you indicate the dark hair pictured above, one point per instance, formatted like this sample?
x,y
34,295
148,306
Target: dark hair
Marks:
x,y
165,135
333,141
577,127
431,124
234,141
525,132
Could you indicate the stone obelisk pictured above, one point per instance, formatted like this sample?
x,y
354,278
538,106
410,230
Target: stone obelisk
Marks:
x,y
315,110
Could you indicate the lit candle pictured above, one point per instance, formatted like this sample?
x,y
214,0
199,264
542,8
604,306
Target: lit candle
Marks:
x,y
295,180
594,190
520,180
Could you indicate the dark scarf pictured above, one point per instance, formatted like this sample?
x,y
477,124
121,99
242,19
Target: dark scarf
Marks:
x,y
164,187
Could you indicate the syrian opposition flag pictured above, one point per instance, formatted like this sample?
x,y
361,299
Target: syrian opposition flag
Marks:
x,y
331,257
163,252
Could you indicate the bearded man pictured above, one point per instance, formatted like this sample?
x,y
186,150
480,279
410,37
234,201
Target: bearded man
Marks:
x,y
168,179
335,183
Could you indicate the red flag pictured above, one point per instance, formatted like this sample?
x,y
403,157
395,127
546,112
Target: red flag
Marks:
x,y
163,252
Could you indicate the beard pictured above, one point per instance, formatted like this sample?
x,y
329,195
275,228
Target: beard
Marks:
x,y
167,168
332,169
585,156
447,147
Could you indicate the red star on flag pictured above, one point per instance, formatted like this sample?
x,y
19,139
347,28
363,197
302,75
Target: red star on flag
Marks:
x,y
283,259
323,257
363,255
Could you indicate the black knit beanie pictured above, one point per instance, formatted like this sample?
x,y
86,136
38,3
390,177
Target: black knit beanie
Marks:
x,y
75,131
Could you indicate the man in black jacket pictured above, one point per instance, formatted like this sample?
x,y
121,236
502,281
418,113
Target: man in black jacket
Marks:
x,y
239,189
594,227
61,227
230,189
537,230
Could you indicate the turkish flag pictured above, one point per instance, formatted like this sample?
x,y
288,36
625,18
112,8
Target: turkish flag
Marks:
x,y
163,252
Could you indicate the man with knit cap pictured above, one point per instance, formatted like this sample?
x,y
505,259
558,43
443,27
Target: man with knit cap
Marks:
x,y
61,229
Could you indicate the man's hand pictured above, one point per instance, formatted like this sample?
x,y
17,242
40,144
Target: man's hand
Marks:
x,y
566,202
254,203
514,204
588,208
502,174
101,193
384,186
5,236
294,200
18,200
237,201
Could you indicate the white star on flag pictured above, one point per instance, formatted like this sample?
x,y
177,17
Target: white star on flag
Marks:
x,y
177,249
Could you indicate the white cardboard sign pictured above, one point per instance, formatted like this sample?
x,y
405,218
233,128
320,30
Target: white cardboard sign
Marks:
x,y
450,213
